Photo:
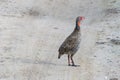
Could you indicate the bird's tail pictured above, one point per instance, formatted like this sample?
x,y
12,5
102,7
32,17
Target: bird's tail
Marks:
x,y
59,56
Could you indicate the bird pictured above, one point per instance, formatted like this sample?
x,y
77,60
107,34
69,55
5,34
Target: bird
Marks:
x,y
71,44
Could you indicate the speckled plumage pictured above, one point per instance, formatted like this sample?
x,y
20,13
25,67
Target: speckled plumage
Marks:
x,y
71,44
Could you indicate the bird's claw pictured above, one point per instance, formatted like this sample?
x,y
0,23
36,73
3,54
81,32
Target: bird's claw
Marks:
x,y
69,65
72,65
75,65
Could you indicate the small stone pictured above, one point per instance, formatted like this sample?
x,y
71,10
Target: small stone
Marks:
x,y
55,28
113,78
95,56
115,41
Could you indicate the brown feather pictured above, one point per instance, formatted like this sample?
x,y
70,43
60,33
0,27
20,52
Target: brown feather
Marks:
x,y
71,43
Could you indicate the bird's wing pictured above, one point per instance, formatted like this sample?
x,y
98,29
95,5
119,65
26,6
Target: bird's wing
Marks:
x,y
68,44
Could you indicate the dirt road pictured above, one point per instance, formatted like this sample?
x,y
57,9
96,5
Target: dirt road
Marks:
x,y
29,51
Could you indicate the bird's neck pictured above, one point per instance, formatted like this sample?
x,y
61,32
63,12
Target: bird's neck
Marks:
x,y
77,28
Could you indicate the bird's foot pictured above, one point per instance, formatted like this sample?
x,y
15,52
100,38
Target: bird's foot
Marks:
x,y
75,65
72,65
69,65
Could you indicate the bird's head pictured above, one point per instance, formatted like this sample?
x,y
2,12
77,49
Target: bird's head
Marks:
x,y
79,19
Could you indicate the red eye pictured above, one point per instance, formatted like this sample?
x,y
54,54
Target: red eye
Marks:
x,y
83,17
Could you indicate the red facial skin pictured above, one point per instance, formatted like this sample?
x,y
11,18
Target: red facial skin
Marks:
x,y
80,19
78,23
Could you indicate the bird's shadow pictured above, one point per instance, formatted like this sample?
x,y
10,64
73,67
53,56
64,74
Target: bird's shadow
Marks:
x,y
41,62
32,61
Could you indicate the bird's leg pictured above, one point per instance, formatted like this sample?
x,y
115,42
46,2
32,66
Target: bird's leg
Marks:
x,y
72,60
68,60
